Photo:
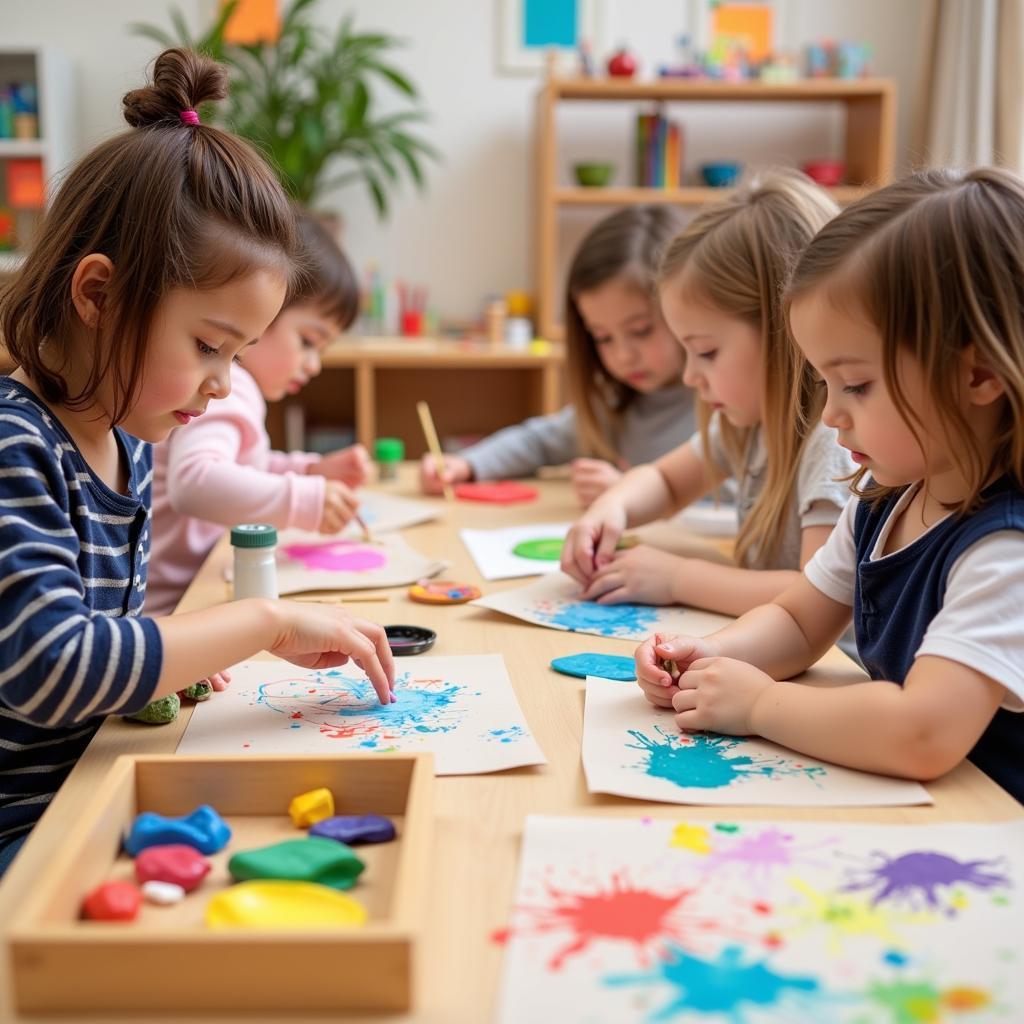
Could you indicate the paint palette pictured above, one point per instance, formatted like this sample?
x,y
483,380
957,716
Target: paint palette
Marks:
x,y
620,921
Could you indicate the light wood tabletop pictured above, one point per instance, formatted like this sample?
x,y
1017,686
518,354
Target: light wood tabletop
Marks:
x,y
478,818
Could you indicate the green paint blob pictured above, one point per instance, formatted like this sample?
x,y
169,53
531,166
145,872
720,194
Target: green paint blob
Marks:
x,y
542,549
908,1002
725,827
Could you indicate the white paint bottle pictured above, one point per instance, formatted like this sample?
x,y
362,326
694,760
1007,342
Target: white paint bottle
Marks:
x,y
255,545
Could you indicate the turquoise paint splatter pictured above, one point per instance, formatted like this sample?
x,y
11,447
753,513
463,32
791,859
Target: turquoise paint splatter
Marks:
x,y
705,761
631,621
508,735
725,987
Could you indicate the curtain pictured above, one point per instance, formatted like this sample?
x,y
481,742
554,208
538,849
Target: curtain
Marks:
x,y
972,108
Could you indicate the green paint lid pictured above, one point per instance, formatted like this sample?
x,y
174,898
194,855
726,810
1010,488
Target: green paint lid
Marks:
x,y
388,449
253,535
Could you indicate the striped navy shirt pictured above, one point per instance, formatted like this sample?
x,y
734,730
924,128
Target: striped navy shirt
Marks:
x,y
73,556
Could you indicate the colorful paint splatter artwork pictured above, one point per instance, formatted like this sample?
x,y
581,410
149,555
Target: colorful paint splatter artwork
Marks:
x,y
633,749
643,921
554,601
311,561
463,709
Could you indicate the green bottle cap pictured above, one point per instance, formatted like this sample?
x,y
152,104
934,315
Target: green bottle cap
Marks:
x,y
388,449
253,535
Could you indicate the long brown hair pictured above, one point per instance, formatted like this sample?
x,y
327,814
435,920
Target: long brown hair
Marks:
x,y
171,204
936,263
328,281
736,255
627,244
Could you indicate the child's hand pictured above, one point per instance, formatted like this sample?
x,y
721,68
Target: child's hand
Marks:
x,y
590,544
456,470
591,478
219,681
718,695
658,683
349,465
320,636
643,575
340,506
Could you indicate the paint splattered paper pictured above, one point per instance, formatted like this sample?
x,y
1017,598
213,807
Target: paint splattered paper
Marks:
x,y
462,709
631,748
653,920
384,513
495,557
311,561
554,601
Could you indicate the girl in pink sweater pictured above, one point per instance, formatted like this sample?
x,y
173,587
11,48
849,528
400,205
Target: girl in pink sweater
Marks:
x,y
219,470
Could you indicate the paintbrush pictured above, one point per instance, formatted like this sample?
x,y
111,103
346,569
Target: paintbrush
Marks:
x,y
427,422
367,536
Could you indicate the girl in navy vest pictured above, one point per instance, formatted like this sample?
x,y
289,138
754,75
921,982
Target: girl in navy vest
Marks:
x,y
910,306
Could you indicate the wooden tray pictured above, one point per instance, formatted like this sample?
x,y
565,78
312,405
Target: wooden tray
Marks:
x,y
166,960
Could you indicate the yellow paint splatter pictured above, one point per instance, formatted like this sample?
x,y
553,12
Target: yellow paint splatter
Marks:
x,y
965,999
844,916
691,837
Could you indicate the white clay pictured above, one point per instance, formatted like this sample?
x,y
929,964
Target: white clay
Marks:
x,y
164,894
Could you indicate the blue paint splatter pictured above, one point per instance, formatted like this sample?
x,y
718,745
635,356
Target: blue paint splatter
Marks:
x,y
619,620
725,986
705,761
507,735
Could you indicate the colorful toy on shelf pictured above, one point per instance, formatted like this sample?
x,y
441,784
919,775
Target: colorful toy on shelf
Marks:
x,y
586,59
829,59
622,64
827,173
688,63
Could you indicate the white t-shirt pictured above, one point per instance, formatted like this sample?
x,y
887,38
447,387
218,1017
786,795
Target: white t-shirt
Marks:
x,y
980,621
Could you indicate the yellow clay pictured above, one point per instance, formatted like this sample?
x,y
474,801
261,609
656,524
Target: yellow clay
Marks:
x,y
280,904
309,808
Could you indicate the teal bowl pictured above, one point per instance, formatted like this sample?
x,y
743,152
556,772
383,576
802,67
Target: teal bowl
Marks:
x,y
594,175
721,175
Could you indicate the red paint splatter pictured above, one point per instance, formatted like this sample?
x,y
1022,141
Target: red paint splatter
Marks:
x,y
773,940
762,908
246,744
295,714
622,913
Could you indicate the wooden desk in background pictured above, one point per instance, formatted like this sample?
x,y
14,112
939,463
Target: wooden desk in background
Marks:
x,y
375,383
479,818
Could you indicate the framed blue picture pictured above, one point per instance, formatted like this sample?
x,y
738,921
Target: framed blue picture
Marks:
x,y
530,29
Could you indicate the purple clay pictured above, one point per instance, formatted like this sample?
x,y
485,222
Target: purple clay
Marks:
x,y
353,829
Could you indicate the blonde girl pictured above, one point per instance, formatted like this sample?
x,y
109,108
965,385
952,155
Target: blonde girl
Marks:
x,y
721,293
627,403
909,306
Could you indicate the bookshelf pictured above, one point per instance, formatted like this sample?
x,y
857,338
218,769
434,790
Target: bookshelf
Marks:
x,y
867,148
50,72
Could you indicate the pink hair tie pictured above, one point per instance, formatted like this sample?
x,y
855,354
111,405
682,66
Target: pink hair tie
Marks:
x,y
189,117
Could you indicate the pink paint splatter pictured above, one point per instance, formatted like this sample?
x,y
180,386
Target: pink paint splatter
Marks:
x,y
340,556
765,852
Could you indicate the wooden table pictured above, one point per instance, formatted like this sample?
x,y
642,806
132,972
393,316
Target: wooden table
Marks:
x,y
473,388
479,818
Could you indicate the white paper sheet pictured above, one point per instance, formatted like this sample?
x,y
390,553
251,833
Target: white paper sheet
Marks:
x,y
493,554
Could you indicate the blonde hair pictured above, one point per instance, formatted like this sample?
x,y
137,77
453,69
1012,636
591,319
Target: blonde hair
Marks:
x,y
936,263
736,255
627,244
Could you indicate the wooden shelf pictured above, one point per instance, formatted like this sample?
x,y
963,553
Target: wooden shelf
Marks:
x,y
14,148
695,196
869,105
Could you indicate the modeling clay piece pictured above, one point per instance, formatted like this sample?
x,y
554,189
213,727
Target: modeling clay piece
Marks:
x,y
281,904
204,829
442,592
308,808
163,894
197,691
300,860
355,828
175,863
541,549
160,712
607,666
502,492
112,901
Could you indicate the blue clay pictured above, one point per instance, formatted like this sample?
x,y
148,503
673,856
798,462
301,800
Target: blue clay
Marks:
x,y
352,829
607,666
204,829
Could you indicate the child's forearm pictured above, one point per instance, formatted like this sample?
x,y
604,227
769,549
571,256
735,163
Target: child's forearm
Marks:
x,y
769,638
198,644
727,589
870,726
642,492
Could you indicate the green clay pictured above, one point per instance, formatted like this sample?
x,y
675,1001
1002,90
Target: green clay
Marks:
x,y
160,712
312,859
197,691
543,549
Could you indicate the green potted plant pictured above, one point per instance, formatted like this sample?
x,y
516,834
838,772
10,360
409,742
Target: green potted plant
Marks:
x,y
307,100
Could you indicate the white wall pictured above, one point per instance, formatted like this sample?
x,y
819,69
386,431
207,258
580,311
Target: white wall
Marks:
x,y
470,234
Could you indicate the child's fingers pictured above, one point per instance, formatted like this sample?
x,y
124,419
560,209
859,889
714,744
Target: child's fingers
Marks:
x,y
604,551
577,555
375,633
649,668
691,721
684,700
659,696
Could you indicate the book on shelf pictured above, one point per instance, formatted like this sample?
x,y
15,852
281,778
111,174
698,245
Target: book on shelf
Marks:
x,y
659,151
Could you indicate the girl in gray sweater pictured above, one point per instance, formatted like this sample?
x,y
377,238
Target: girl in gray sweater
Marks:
x,y
624,368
